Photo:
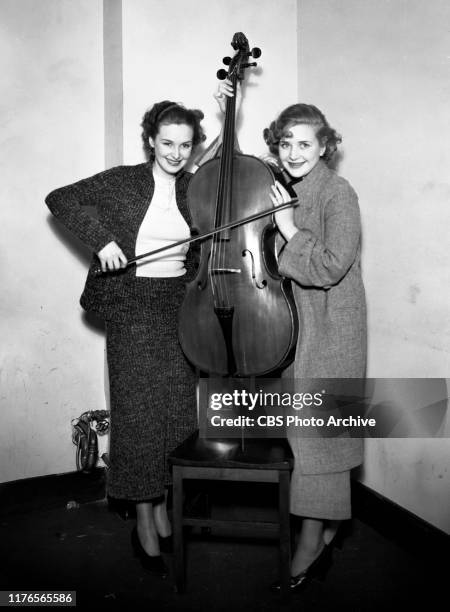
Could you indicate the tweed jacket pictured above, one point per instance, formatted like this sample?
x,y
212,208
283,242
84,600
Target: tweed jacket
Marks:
x,y
121,197
323,261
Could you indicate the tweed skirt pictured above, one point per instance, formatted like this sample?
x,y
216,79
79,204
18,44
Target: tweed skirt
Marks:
x,y
152,393
320,496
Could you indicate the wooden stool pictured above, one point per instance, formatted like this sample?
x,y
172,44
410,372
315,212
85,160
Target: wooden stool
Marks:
x,y
262,460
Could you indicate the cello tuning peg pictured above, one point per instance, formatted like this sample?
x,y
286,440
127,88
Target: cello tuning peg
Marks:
x,y
227,61
222,74
256,52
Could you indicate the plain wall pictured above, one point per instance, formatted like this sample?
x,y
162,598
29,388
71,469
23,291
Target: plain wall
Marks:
x,y
171,52
379,69
51,134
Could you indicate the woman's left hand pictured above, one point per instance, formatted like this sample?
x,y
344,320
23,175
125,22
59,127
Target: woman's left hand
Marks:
x,y
284,218
224,91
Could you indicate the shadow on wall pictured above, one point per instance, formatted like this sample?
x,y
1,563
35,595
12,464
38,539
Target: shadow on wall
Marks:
x,y
84,255
336,160
73,244
93,323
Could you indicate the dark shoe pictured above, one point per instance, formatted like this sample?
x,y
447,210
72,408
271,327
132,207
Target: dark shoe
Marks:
x,y
166,544
337,541
318,569
153,564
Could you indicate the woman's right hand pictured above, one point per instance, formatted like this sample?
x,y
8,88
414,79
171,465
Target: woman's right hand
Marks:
x,y
112,257
225,88
283,218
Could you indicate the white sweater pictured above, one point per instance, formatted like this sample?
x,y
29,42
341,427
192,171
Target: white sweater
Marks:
x,y
163,224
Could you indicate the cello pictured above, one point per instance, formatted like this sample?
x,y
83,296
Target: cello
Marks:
x,y
238,317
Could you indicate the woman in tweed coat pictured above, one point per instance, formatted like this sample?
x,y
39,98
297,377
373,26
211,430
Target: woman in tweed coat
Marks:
x,y
322,257
153,406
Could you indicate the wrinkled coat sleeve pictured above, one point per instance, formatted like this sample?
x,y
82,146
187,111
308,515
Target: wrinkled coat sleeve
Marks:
x,y
67,204
313,261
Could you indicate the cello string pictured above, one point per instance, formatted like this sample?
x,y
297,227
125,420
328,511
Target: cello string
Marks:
x,y
218,258
214,261
219,280
227,201
221,207
217,264
212,257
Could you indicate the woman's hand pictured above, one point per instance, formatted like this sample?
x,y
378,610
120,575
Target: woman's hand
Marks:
x,y
272,160
284,218
224,90
112,257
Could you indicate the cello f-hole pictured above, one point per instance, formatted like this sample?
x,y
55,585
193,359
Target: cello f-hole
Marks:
x,y
259,285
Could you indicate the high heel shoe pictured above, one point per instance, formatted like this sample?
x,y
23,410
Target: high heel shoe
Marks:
x,y
317,569
153,564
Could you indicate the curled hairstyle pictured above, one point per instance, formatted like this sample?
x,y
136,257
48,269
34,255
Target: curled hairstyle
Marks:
x,y
166,113
306,114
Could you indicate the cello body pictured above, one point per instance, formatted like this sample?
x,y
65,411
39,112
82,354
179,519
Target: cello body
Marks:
x,y
260,334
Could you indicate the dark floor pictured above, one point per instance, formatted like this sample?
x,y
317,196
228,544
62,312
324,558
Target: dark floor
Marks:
x,y
87,548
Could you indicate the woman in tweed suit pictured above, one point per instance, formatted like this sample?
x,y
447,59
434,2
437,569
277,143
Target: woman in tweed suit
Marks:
x,y
153,406
321,256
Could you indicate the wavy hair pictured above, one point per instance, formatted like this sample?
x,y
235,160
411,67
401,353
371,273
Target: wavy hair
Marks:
x,y
306,114
166,113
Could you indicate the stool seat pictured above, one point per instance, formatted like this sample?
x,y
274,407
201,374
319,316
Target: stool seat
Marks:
x,y
258,454
248,460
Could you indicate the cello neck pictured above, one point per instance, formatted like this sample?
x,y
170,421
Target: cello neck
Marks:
x,y
223,204
230,119
237,66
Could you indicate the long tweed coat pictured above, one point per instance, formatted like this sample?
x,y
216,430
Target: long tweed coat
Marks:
x,y
323,261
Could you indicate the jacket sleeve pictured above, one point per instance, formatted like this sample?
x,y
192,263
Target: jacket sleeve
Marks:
x,y
313,262
214,150
66,204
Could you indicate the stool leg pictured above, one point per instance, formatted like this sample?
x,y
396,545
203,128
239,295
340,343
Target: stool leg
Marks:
x,y
207,530
178,528
285,537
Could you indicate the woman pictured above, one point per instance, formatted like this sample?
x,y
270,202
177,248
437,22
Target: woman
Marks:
x,y
152,388
321,256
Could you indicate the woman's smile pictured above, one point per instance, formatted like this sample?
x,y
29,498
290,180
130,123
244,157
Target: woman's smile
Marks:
x,y
295,164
